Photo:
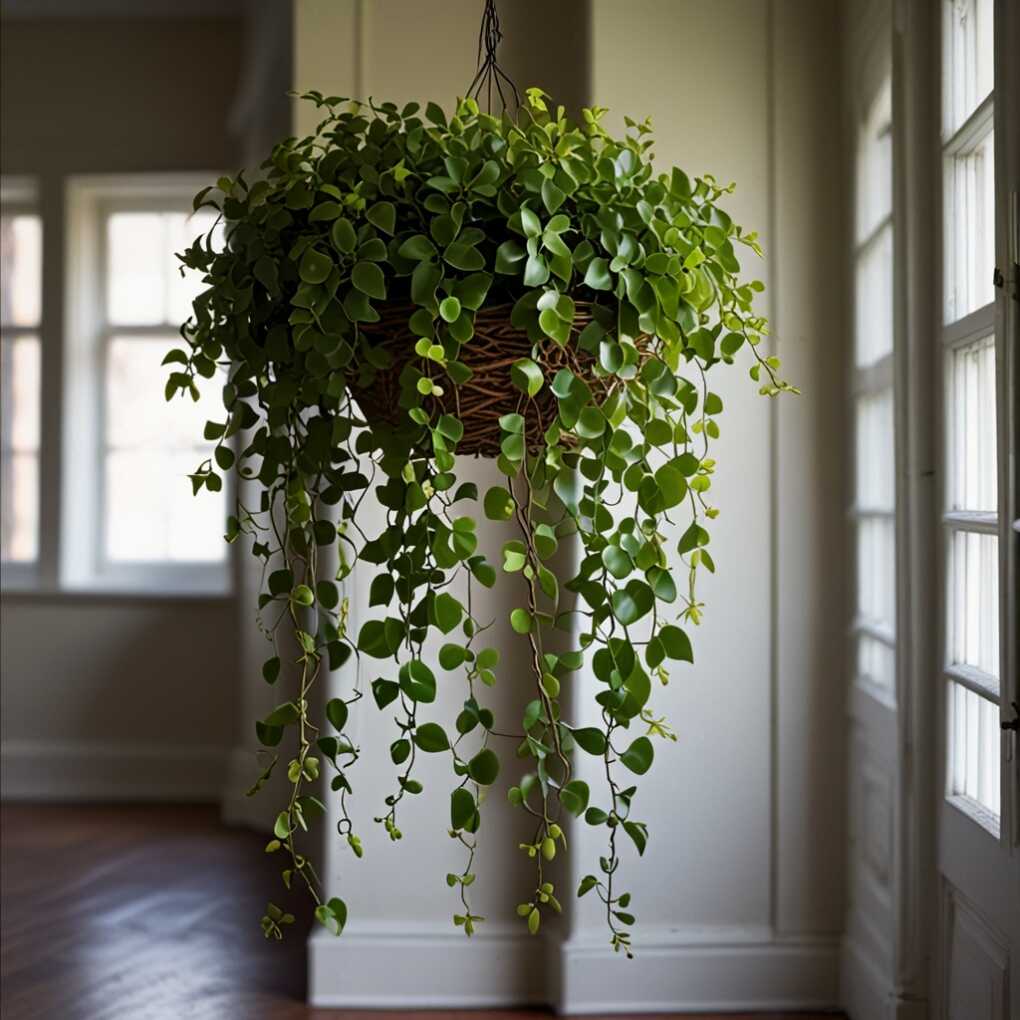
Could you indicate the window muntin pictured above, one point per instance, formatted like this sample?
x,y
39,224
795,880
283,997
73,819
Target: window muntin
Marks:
x,y
20,382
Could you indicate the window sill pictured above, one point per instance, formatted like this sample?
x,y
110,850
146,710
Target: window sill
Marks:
x,y
119,595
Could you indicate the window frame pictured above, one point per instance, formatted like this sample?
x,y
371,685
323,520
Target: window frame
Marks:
x,y
19,195
90,200
986,320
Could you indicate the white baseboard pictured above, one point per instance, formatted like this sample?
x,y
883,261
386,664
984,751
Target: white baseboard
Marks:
x,y
867,993
393,966
432,966
701,970
92,771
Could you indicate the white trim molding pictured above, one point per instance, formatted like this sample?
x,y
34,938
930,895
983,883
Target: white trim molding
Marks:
x,y
706,969
500,965
93,771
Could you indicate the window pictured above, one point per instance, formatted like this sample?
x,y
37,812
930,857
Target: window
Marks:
x,y
874,507
20,376
969,339
142,526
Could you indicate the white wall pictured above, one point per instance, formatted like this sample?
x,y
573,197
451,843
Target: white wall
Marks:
x,y
107,696
739,894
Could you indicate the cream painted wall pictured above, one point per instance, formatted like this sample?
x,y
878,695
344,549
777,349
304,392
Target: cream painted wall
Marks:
x,y
739,894
107,696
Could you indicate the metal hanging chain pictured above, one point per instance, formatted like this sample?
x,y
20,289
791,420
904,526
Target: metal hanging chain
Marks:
x,y
489,74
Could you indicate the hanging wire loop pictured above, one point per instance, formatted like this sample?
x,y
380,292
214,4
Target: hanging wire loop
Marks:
x,y
490,76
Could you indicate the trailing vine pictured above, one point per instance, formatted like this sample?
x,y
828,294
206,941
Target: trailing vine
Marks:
x,y
400,287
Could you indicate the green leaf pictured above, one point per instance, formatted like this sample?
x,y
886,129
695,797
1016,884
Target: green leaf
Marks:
x,y
343,236
574,797
336,713
368,278
281,827
632,602
418,682
483,768
418,247
384,691
616,561
638,832
383,215
314,266
676,643
597,275
464,256
271,670
283,715
462,808
431,738
302,595
451,656
552,196
498,504
448,612
638,757
520,620
449,309
526,376
590,739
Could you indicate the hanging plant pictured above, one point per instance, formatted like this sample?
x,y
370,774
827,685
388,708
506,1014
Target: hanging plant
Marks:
x,y
403,288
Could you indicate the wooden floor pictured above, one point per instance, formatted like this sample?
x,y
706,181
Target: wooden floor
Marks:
x,y
148,913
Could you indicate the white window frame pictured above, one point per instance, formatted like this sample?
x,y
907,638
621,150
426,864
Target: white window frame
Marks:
x,y
977,324
89,200
20,195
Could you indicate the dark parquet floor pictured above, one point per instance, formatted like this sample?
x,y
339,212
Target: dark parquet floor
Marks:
x,y
146,913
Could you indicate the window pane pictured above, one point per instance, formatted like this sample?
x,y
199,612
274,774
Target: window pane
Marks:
x,y
967,59
974,739
873,300
151,448
969,182
876,571
971,436
19,443
874,163
875,451
876,662
144,282
20,270
973,605
151,515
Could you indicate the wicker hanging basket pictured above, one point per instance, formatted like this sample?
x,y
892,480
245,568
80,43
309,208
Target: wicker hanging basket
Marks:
x,y
489,394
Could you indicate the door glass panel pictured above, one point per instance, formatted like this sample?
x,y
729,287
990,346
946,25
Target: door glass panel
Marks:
x,y
971,436
967,59
969,249
873,300
876,571
973,603
974,737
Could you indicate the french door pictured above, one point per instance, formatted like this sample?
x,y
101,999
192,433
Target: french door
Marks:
x,y
977,972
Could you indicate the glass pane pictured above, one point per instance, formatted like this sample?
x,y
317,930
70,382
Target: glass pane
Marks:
x,y
873,300
876,663
971,434
967,59
874,163
136,268
19,442
144,282
974,740
973,604
20,270
969,182
150,512
875,451
151,515
876,571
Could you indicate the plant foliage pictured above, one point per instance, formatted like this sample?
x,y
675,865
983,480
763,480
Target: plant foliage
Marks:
x,y
446,215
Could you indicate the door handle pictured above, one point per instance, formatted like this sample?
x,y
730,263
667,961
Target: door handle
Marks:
x,y
1014,723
